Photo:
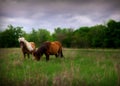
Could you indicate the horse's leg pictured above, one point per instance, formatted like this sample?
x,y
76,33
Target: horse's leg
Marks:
x,y
56,55
47,57
24,54
61,53
28,55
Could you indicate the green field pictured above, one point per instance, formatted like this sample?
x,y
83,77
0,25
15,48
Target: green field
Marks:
x,y
80,67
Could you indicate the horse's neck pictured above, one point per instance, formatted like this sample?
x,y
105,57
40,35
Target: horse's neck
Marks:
x,y
28,45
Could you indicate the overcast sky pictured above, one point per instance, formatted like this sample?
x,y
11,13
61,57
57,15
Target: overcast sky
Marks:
x,y
50,14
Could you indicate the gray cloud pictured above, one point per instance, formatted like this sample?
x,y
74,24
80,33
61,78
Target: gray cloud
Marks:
x,y
57,13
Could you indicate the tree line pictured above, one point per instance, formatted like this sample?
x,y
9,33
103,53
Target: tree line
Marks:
x,y
98,36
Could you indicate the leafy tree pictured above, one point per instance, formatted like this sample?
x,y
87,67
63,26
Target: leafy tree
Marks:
x,y
96,36
43,35
64,35
81,37
59,34
113,34
33,36
9,37
68,41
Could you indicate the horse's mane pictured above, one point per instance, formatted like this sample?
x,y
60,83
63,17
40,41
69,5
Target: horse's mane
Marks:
x,y
28,45
45,46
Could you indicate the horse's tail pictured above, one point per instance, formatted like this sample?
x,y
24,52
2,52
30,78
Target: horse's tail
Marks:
x,y
60,49
61,53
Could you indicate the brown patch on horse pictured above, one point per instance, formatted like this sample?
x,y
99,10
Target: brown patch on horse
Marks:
x,y
49,48
54,47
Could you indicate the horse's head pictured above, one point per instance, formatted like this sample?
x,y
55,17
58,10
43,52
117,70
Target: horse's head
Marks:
x,y
21,39
37,54
40,51
22,44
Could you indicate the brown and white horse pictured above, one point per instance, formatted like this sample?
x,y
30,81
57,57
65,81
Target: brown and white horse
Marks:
x,y
26,47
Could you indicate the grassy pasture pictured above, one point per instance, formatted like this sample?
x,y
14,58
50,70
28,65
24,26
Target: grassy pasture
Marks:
x,y
80,67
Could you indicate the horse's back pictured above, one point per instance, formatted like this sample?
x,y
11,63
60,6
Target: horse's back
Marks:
x,y
54,47
58,43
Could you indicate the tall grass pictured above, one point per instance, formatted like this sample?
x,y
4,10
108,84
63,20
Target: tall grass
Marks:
x,y
80,67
